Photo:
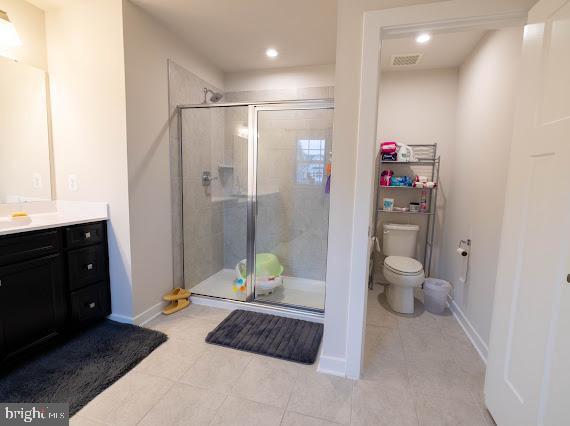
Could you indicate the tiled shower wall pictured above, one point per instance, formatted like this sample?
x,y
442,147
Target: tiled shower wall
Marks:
x,y
202,144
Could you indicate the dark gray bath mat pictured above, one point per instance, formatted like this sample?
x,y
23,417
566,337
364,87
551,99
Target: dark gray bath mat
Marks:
x,y
279,337
82,367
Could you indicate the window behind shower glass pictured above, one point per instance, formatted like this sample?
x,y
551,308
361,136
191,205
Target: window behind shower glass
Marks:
x,y
310,161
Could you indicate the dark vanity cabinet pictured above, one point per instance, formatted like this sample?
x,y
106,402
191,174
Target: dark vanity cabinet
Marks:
x,y
51,281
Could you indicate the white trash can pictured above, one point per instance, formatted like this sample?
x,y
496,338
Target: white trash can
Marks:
x,y
435,295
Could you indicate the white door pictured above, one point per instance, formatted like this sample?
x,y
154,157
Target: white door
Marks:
x,y
528,372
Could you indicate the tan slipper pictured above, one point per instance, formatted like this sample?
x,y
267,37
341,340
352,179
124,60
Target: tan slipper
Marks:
x,y
175,306
175,294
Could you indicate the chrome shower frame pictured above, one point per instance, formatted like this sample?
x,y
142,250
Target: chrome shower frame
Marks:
x,y
253,109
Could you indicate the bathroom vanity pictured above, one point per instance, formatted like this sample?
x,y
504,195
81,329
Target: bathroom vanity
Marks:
x,y
54,273
52,281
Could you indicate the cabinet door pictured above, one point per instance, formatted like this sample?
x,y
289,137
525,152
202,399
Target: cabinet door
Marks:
x,y
32,302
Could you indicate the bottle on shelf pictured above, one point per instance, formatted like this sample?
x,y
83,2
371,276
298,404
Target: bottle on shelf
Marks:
x,y
423,201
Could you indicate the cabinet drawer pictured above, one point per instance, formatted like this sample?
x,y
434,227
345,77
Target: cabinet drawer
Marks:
x,y
81,235
25,246
89,304
86,266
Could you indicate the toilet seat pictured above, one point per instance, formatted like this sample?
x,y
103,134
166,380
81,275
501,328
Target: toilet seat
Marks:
x,y
401,265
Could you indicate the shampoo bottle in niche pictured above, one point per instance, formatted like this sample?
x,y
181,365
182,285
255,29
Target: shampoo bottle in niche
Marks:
x,y
423,201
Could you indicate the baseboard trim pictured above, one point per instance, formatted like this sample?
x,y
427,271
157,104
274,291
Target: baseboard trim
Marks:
x,y
120,318
148,315
256,307
142,318
474,337
332,365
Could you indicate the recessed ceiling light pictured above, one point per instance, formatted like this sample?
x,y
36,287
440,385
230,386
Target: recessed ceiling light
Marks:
x,y
271,53
423,38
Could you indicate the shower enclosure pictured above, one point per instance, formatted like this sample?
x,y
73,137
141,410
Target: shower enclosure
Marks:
x,y
255,201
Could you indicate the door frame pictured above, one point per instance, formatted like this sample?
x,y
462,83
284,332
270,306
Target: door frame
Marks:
x,y
252,160
444,16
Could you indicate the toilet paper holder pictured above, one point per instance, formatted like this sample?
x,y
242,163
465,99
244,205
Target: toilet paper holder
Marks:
x,y
463,247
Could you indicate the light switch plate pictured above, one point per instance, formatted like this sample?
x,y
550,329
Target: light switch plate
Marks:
x,y
72,182
37,181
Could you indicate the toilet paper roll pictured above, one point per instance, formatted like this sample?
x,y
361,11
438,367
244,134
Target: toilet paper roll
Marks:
x,y
461,252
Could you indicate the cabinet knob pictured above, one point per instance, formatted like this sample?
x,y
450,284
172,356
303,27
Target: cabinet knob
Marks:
x,y
89,266
87,235
92,305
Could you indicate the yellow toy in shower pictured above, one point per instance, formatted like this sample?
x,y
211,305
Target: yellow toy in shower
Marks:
x,y
238,285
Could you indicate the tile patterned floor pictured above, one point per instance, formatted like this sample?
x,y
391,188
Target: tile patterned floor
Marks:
x,y
417,371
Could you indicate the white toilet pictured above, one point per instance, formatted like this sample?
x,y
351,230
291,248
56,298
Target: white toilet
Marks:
x,y
401,270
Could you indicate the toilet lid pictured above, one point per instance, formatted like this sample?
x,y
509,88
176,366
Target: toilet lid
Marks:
x,y
403,265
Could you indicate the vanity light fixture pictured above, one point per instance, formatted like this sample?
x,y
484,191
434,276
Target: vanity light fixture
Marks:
x,y
272,53
8,36
423,38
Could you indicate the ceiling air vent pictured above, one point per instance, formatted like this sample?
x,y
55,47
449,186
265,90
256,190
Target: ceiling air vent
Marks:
x,y
405,60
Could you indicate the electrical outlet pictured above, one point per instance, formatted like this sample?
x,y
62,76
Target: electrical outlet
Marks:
x,y
37,181
72,182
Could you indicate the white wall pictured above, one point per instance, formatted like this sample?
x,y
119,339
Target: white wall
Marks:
x,y
86,65
475,206
30,26
280,78
418,107
148,46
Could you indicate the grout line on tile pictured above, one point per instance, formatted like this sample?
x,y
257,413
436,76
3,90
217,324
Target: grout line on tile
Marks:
x,y
219,409
172,383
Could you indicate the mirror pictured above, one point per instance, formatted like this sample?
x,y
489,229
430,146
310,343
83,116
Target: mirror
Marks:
x,y
25,172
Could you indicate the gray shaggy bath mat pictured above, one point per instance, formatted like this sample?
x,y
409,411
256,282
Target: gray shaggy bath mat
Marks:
x,y
278,337
82,367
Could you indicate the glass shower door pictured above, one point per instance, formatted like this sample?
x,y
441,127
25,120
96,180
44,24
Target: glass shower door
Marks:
x,y
292,155
214,148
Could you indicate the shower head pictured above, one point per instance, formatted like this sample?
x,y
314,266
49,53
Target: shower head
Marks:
x,y
214,96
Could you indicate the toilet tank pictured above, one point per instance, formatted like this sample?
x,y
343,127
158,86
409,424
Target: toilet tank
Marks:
x,y
399,240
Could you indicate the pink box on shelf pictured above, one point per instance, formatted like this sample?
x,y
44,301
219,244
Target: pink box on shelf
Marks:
x,y
388,147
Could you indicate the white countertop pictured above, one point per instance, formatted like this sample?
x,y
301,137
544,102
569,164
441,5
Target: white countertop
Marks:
x,y
59,213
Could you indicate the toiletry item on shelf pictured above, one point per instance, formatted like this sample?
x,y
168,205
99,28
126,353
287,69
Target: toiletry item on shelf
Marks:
x,y
401,209
386,177
423,182
401,181
423,201
405,153
388,204
428,185
389,147
390,157
414,207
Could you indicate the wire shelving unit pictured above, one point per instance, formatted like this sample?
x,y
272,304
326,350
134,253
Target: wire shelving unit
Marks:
x,y
427,164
